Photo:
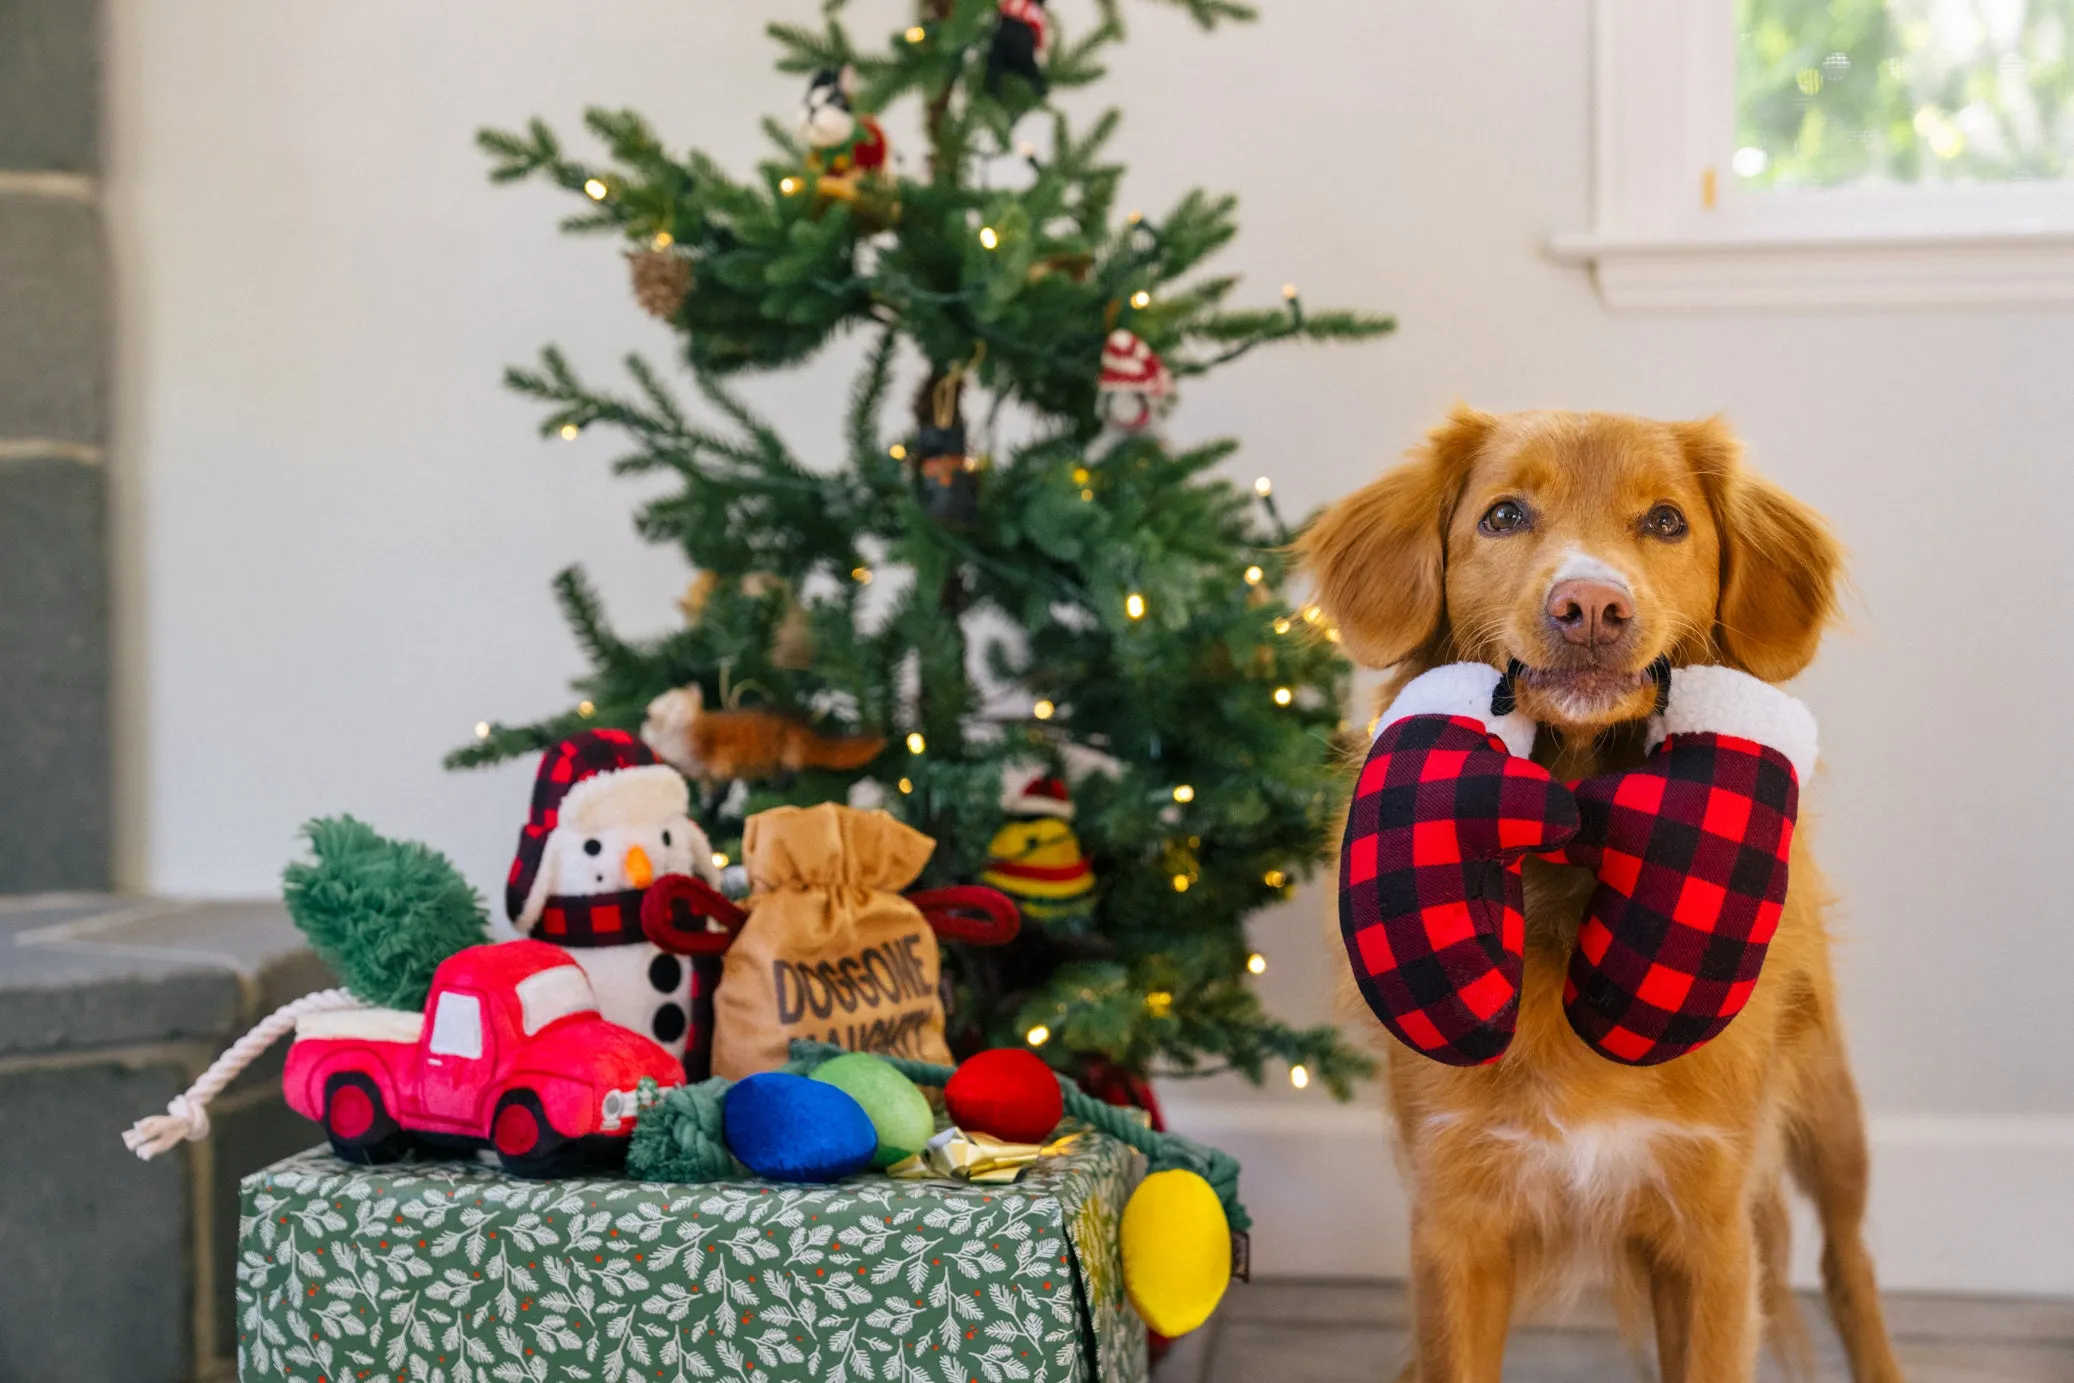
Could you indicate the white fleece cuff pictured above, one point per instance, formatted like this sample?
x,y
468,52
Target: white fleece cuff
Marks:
x,y
1461,689
1723,701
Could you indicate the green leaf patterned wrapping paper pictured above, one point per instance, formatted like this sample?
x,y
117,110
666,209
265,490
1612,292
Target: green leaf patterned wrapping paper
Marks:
x,y
452,1272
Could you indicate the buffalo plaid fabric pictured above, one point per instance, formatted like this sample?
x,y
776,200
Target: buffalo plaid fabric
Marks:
x,y
601,919
578,757
1429,892
1690,850
698,1037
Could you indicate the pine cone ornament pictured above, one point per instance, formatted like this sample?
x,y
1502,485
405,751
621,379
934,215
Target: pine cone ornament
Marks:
x,y
662,280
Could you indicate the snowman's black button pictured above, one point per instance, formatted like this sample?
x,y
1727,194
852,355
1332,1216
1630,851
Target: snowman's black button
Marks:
x,y
669,1023
666,972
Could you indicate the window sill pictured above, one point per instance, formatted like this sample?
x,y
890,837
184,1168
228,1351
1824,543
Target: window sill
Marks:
x,y
1775,273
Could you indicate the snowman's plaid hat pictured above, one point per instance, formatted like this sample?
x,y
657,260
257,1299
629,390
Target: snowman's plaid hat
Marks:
x,y
1131,366
572,774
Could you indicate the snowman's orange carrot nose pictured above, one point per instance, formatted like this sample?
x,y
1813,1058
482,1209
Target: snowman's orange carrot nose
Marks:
x,y
640,873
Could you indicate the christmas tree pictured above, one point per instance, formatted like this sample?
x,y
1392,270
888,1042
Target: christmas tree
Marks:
x,y
942,615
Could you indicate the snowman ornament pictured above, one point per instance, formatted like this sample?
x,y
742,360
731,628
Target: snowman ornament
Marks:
x,y
607,821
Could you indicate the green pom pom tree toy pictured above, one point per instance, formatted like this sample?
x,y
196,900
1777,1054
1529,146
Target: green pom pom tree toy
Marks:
x,y
1129,602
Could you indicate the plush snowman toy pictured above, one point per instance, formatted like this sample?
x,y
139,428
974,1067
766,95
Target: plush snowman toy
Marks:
x,y
1135,390
607,821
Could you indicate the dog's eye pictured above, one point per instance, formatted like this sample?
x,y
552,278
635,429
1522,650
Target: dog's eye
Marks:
x,y
1506,516
1664,521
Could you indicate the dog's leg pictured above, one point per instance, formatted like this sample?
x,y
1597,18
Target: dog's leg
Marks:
x,y
1719,1289
1826,1151
1670,1301
1462,1282
1782,1322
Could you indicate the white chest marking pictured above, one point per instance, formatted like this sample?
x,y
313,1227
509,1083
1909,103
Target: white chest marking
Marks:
x,y
1585,1166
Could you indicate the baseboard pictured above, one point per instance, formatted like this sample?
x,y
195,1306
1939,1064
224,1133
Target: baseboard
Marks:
x,y
1975,1205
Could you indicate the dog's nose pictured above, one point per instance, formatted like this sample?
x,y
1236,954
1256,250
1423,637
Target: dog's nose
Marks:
x,y
1590,613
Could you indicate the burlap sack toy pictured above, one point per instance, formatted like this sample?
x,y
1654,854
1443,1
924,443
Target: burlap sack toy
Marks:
x,y
831,950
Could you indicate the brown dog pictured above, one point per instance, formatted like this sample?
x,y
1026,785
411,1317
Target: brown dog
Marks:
x,y
1585,546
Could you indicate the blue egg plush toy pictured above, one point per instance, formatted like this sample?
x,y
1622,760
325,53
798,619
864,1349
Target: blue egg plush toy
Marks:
x,y
788,1128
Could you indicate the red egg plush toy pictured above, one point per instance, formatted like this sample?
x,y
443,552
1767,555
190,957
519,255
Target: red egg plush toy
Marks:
x,y
1009,1093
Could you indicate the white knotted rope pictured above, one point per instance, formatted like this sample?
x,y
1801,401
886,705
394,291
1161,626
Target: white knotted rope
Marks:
x,y
187,1118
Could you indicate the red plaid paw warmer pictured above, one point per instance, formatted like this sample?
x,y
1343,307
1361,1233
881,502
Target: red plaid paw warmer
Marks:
x,y
1690,850
1446,808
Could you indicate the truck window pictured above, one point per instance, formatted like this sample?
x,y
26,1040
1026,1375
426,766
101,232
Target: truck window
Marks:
x,y
551,994
457,1026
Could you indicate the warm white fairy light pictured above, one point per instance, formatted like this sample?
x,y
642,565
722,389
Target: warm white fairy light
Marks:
x,y
1081,475
1332,636
916,34
1180,883
1087,494
1254,576
1184,793
915,743
1312,614
1256,964
1281,626
1289,291
719,859
482,729
1299,1075
1263,487
586,709
1159,1003
861,575
595,190
662,240
1038,1035
907,785
1134,605
1274,878
1135,217
1044,710
897,452
1141,300
1283,696
989,237
570,432
1026,149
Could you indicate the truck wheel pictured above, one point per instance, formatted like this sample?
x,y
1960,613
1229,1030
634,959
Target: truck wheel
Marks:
x,y
527,1144
360,1126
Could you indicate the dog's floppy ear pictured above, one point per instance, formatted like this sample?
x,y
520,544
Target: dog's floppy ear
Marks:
x,y
1379,555
1780,564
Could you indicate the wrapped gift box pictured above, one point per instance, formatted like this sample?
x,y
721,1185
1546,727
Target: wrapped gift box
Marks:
x,y
452,1272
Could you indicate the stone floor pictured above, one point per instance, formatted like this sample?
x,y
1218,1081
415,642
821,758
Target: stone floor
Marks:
x,y
1337,1332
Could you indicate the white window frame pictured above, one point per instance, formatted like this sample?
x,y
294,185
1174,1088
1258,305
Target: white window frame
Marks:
x,y
1672,230
457,1026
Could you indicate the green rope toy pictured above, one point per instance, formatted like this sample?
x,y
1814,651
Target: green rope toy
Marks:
x,y
679,1136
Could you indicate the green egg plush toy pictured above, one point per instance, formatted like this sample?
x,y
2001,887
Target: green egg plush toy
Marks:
x,y
896,1106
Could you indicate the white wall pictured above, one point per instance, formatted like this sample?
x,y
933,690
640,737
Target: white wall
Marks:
x,y
337,530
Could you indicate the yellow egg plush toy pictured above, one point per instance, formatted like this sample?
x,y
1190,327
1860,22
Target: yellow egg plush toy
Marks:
x,y
1176,1251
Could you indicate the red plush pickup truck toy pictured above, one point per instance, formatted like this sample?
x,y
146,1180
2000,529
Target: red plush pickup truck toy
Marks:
x,y
510,1052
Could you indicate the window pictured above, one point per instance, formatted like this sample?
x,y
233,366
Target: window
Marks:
x,y
1822,153
457,1026
553,993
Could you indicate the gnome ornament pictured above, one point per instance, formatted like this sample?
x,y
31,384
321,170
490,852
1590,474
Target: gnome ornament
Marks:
x,y
608,824
1019,44
1135,390
1035,857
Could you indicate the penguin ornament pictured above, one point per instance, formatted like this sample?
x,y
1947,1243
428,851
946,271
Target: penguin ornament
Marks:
x,y
610,829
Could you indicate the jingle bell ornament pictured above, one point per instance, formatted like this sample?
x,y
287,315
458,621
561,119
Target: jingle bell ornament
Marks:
x,y
1135,390
1035,857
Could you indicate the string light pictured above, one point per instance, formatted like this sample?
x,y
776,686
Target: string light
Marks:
x,y
482,729
1081,475
1134,605
719,859
1254,576
1274,878
1184,793
989,237
916,34
595,190
662,240
1257,963
788,186
1038,1035
1026,149
1312,614
1087,494
1043,710
1135,217
1332,636
1281,626
1299,1075
1159,1003
1289,292
1180,883
1141,300
915,743
1263,487
897,452
586,709
861,575
570,432
907,785
1283,696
